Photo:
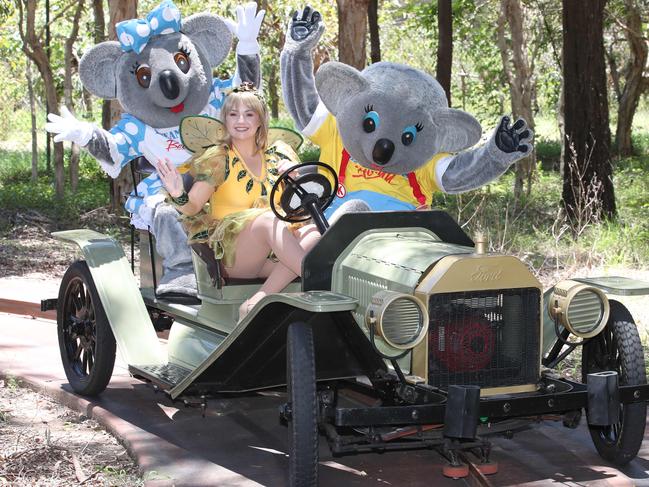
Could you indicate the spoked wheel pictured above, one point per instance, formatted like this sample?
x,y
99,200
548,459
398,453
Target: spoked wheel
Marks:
x,y
618,348
86,341
303,420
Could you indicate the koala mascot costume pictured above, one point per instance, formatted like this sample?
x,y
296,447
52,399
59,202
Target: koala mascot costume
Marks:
x,y
160,71
388,131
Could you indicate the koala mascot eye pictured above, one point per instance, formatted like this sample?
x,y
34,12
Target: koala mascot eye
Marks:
x,y
408,135
143,75
370,120
182,61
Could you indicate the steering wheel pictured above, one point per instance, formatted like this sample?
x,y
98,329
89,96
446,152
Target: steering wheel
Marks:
x,y
306,196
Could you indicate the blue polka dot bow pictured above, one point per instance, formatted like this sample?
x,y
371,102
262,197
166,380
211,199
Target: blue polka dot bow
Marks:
x,y
134,34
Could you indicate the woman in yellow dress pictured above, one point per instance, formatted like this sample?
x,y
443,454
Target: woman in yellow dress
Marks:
x,y
227,206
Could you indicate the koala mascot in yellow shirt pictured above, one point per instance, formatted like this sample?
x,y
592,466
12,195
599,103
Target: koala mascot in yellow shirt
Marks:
x,y
387,130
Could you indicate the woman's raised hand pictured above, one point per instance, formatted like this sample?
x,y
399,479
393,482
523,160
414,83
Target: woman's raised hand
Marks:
x,y
284,165
170,177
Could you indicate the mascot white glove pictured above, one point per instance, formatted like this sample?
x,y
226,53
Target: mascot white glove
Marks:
x,y
67,127
246,28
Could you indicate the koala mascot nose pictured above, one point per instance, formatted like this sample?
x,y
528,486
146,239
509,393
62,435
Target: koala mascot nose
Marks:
x,y
169,84
383,150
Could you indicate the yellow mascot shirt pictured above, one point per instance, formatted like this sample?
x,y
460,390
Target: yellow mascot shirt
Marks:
x,y
394,191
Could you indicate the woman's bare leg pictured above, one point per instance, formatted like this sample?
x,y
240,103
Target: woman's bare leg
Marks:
x,y
267,233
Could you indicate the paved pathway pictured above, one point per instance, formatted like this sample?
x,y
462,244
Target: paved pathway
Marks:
x,y
240,442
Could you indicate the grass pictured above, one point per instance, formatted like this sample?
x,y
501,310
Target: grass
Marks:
x,y
18,193
534,228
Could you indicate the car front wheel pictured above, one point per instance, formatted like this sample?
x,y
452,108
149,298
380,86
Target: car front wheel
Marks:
x,y
618,348
86,341
303,420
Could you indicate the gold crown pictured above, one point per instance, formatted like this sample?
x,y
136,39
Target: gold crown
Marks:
x,y
248,87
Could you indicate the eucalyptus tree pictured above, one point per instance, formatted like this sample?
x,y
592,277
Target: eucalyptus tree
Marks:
x,y
32,31
352,32
119,10
520,79
627,59
588,192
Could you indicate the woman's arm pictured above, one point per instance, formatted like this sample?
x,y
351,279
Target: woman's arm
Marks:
x,y
173,183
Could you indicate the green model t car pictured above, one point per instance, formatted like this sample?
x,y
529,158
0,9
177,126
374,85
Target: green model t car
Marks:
x,y
446,343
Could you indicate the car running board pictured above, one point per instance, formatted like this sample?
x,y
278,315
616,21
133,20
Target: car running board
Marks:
x,y
165,376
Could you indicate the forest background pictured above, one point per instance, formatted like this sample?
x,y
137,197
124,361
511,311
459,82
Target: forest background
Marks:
x,y
579,202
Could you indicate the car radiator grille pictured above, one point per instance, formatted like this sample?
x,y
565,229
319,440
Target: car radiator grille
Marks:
x,y
485,338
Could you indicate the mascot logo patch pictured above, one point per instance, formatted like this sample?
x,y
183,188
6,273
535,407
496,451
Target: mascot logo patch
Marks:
x,y
365,173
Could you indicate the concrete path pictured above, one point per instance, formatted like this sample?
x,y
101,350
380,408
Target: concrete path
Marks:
x,y
240,441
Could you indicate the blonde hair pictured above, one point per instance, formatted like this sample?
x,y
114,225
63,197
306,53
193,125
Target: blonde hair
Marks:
x,y
250,100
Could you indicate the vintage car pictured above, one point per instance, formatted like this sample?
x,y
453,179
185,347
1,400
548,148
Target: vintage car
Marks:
x,y
402,333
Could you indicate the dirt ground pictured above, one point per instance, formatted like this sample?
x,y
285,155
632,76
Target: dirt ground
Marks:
x,y
27,246
43,443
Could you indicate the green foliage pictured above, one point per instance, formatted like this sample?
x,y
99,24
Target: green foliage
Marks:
x,y
548,153
18,192
309,152
535,228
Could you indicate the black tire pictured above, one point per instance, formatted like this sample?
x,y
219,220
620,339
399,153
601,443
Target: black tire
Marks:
x,y
618,348
301,392
86,341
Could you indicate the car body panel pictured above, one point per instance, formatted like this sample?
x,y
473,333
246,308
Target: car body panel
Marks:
x,y
120,296
254,350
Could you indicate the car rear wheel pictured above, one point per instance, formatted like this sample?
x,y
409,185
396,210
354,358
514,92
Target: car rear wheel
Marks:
x,y
303,420
86,342
618,348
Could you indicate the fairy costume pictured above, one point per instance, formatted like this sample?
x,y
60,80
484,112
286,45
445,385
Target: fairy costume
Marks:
x,y
239,197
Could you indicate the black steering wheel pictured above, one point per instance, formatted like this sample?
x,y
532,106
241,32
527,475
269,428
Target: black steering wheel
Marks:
x,y
306,196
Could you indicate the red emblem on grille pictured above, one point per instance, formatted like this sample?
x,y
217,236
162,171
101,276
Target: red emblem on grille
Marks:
x,y
464,346
341,192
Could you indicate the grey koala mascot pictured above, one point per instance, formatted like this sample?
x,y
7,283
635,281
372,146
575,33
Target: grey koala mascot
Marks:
x,y
160,71
388,130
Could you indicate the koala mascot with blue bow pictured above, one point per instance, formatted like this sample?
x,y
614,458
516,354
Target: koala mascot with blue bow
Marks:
x,y
387,130
160,71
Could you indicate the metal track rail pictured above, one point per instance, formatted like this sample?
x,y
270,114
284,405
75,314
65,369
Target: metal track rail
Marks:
x,y
476,478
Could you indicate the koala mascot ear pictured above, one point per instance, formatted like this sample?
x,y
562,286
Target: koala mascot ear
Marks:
x,y
455,130
211,33
337,83
97,69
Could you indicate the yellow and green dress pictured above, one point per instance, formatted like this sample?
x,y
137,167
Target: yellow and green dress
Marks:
x,y
239,195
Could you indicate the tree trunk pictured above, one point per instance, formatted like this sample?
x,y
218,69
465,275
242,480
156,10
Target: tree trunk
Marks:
x,y
100,36
273,92
67,92
375,38
445,46
588,192
119,10
352,32
519,77
32,109
634,86
35,51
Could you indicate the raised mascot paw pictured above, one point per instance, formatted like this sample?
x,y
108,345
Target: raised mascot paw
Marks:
x,y
514,138
68,128
246,28
305,28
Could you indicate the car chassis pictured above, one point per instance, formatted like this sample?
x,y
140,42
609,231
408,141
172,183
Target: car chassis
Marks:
x,y
403,333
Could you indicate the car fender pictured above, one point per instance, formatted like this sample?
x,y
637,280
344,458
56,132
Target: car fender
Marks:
x,y
611,285
120,296
257,343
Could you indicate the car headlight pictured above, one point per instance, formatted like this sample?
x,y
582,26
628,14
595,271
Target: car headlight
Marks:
x,y
582,309
400,319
